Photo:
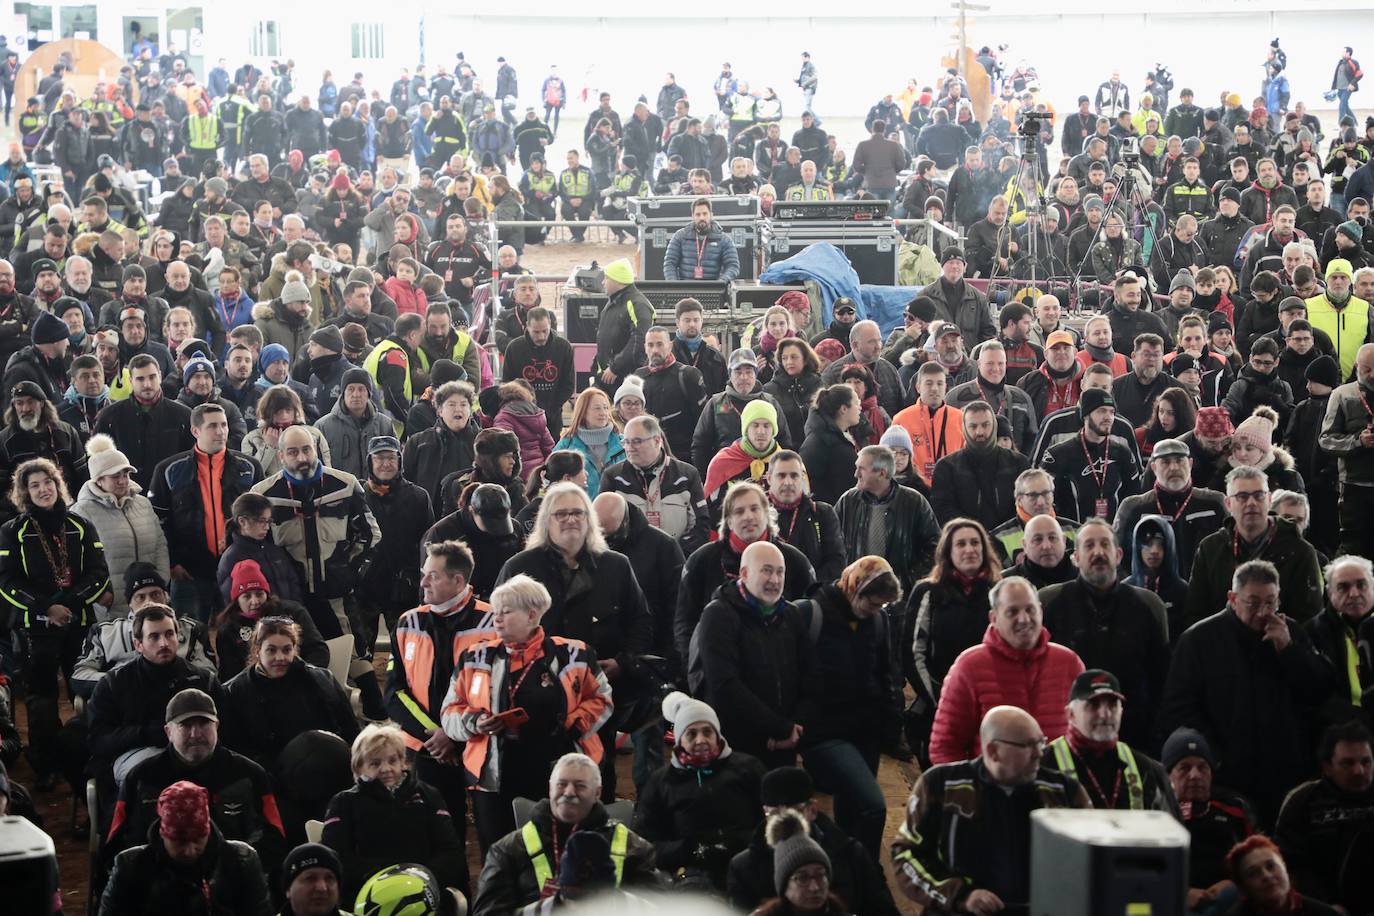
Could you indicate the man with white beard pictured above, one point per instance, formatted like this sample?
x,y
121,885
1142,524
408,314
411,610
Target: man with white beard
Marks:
x,y
32,430
1115,776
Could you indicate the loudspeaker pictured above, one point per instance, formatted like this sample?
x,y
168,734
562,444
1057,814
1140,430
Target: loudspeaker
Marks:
x,y
1095,863
28,867
583,311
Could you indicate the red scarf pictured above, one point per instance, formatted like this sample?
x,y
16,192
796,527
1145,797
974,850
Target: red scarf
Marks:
x,y
696,761
874,413
1082,744
967,583
668,363
738,546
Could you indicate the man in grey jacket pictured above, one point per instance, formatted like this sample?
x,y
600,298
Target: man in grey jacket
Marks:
x,y
1348,433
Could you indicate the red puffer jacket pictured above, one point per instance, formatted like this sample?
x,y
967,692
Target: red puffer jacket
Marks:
x,y
994,674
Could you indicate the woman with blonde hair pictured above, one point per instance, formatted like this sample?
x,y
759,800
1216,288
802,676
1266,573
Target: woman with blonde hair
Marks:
x,y
522,700
389,817
593,433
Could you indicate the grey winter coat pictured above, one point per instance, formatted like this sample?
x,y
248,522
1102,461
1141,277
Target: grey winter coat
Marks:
x,y
348,436
129,530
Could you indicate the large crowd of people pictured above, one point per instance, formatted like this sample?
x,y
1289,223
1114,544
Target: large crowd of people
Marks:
x,y
1115,564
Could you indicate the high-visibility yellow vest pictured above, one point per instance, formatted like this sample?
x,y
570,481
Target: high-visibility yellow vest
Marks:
x,y
1135,789
576,183
374,361
542,182
460,349
544,870
817,191
202,132
742,107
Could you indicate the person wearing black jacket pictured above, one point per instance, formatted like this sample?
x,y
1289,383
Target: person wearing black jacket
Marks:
x,y
32,430
449,445
674,392
657,563
828,450
854,874
666,489
719,424
52,572
404,514
44,362
127,712
178,488
390,816
909,530
1087,485
1337,634
1318,468
242,803
461,262
858,713
804,522
752,659
620,330
483,521
977,481
691,348
146,426
744,519
544,358
149,879
1114,626
281,697
1244,677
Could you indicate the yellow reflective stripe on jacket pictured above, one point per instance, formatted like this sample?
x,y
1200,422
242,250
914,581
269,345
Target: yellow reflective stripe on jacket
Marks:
x,y
374,359
202,132
543,870
1135,789
460,349
576,184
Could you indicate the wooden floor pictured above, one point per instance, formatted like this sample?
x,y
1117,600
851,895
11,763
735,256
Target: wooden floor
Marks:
x,y
74,866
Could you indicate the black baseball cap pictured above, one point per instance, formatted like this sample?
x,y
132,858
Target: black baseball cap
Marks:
x,y
1095,683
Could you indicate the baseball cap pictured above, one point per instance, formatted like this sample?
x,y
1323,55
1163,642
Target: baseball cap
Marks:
x,y
1095,683
1169,448
1059,337
189,704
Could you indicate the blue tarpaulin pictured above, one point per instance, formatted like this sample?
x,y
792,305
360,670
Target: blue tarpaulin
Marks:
x,y
827,265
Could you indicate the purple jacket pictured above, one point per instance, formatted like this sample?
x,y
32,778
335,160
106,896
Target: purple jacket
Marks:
x,y
526,419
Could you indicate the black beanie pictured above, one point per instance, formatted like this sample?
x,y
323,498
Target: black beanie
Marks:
x,y
307,856
1324,371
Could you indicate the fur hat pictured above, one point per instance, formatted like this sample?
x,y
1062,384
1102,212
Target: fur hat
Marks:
x,y
493,443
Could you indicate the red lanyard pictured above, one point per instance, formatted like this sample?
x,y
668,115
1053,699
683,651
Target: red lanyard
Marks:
x,y
519,682
701,249
1116,787
1181,509
1365,401
1099,479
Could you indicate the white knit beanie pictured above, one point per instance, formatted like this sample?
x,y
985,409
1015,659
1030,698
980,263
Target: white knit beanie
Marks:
x,y
632,387
682,711
105,459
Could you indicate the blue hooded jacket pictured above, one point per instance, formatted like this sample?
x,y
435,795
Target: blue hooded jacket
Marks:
x,y
1171,588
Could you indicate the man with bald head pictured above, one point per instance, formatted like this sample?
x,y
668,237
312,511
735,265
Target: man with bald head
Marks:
x,y
1344,634
751,658
866,345
321,518
1044,553
1348,434
983,866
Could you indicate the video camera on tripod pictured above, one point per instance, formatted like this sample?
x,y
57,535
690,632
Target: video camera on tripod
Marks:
x,y
1033,129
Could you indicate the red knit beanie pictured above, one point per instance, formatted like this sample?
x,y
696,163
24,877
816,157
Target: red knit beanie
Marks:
x,y
341,182
183,811
246,576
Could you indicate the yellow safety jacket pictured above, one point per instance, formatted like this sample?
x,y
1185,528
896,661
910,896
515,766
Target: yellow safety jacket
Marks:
x,y
1135,788
742,107
202,132
544,870
373,363
460,349
575,182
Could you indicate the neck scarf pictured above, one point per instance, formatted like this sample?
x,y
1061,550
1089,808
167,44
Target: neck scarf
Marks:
x,y
1082,744
738,546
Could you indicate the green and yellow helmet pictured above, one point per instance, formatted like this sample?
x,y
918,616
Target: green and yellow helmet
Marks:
x,y
401,890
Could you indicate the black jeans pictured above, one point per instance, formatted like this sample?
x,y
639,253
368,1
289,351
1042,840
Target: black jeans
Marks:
x,y
51,650
1357,507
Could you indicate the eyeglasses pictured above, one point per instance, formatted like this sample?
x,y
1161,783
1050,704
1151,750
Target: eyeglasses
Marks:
x,y
570,515
1248,496
636,443
1035,494
1038,744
